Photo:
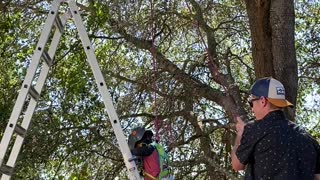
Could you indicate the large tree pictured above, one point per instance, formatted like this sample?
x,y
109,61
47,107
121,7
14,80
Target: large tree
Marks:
x,y
272,25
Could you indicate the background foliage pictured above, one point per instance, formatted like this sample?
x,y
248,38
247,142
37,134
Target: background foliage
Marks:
x,y
70,136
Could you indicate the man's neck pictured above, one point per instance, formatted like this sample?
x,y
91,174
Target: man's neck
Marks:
x,y
267,111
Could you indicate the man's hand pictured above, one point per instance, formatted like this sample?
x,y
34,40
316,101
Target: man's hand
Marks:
x,y
236,164
240,126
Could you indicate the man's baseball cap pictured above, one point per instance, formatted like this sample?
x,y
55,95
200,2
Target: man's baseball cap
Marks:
x,y
272,89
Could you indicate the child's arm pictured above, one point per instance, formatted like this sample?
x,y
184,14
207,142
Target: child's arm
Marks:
x,y
143,151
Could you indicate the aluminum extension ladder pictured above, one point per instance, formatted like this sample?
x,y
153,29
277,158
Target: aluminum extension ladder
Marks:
x,y
31,89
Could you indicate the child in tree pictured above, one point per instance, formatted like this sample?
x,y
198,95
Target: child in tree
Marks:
x,y
140,145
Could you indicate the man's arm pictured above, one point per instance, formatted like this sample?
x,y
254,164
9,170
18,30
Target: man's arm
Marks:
x,y
236,164
317,147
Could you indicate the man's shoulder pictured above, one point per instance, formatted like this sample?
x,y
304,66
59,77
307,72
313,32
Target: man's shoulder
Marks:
x,y
251,125
250,128
297,129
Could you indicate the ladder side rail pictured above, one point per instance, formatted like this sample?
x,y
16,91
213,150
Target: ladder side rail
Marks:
x,y
91,58
28,80
32,105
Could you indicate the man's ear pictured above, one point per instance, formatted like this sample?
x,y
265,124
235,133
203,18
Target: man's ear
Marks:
x,y
265,102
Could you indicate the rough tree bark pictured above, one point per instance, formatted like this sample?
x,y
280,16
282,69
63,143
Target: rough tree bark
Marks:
x,y
273,50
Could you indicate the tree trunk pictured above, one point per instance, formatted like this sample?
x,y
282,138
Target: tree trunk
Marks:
x,y
273,50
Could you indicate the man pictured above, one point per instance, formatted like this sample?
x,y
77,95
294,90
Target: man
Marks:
x,y
272,147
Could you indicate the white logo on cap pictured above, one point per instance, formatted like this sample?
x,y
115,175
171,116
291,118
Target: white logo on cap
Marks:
x,y
280,91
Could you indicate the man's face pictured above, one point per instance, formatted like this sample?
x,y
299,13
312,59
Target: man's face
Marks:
x,y
257,106
252,100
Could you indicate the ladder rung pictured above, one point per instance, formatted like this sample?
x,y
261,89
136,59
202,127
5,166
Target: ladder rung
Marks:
x,y
5,169
20,130
59,24
33,92
134,158
47,58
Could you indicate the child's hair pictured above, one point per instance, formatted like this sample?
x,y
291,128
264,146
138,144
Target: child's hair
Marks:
x,y
139,136
146,139
147,134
